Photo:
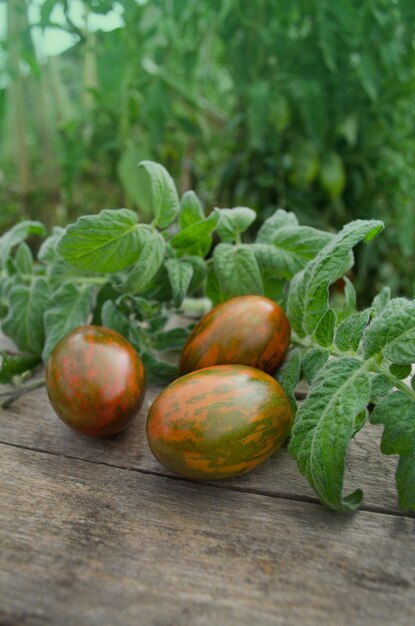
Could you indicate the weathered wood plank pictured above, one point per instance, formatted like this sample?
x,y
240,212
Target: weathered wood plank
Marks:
x,y
84,543
32,423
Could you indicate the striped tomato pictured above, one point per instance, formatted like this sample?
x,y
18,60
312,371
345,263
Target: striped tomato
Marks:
x,y
248,330
95,381
218,422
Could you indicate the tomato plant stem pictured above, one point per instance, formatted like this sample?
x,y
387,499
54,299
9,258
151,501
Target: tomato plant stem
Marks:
x,y
14,394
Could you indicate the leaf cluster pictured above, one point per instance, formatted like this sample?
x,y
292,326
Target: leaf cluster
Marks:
x,y
111,269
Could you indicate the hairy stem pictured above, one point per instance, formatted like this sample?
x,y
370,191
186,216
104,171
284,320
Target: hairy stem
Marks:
x,y
14,394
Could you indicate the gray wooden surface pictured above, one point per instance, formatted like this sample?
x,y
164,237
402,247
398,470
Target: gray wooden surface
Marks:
x,y
96,532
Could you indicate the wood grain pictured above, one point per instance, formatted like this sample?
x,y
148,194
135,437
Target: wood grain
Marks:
x,y
31,423
84,543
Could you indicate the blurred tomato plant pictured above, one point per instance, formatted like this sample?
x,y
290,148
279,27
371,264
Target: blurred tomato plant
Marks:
x,y
305,105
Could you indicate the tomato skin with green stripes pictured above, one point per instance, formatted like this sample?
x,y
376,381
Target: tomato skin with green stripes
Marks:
x,y
95,381
247,330
218,422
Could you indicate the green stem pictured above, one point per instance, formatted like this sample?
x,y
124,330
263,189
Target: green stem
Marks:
x,y
14,394
373,363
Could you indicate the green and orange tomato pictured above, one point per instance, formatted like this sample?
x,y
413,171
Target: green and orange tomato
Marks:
x,y
95,381
246,330
218,422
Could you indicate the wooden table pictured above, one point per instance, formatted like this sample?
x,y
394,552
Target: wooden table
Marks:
x,y
96,532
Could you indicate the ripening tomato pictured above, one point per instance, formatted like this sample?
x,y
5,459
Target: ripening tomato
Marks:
x,y
248,330
95,381
218,422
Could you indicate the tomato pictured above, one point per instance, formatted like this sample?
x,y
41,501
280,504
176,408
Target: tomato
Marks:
x,y
95,381
248,330
218,422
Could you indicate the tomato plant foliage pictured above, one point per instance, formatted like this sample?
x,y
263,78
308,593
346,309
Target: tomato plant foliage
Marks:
x,y
114,270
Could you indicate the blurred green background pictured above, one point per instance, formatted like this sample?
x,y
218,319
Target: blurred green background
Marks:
x,y
308,105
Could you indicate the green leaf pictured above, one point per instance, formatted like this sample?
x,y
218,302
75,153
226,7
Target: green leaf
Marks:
x,y
180,276
157,371
290,248
199,267
393,332
289,376
15,365
196,239
360,421
349,333
191,210
23,261
324,332
400,371
325,424
397,413
111,317
380,386
164,199
107,242
368,76
70,308
213,289
147,266
278,220
47,252
17,234
314,359
349,297
308,296
24,321
237,270
173,339
405,481
381,300
234,222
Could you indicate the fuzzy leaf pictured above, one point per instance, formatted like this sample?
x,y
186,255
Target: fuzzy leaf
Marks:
x,y
380,386
405,481
392,332
277,220
70,308
349,297
234,222
147,266
314,360
350,331
325,424
325,329
17,234
237,270
162,193
173,339
199,267
397,413
24,321
308,297
196,239
107,242
180,276
157,371
191,210
381,300
111,317
289,376
23,261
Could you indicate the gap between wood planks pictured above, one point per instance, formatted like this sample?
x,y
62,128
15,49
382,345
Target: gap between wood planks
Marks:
x,y
281,496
